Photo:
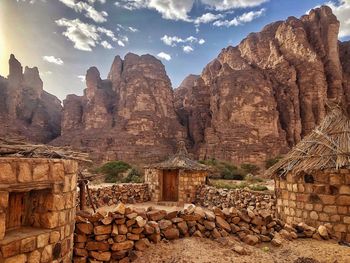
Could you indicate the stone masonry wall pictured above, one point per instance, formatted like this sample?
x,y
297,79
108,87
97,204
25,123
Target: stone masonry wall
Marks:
x,y
188,183
323,197
47,236
128,193
208,196
122,234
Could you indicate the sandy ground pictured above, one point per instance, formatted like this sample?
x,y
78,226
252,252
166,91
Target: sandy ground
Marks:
x,y
202,250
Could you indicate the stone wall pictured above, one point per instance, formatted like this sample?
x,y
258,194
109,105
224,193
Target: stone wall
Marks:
x,y
322,197
119,236
127,193
208,196
188,183
48,204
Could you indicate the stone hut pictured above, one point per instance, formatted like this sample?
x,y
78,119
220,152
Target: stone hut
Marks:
x,y
312,181
37,208
176,179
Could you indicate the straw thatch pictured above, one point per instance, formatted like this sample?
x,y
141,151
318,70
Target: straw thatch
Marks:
x,y
22,149
180,160
327,146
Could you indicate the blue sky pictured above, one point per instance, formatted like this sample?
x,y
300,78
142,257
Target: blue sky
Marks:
x,y
65,37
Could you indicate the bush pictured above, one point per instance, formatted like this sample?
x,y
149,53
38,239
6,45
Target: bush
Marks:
x,y
258,188
250,168
272,161
134,176
113,170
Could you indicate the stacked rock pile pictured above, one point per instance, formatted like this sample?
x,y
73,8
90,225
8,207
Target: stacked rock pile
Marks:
x,y
119,236
207,196
127,193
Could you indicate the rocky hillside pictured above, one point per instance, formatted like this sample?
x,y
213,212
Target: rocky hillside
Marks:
x,y
27,110
128,116
258,99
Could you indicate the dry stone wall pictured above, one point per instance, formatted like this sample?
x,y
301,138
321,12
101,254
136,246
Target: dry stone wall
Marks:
x,y
121,235
208,196
126,193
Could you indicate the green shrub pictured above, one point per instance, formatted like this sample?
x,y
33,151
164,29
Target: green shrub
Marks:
x,y
258,187
221,184
134,176
270,162
250,168
113,170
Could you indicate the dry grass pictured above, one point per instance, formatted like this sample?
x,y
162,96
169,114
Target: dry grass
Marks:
x,y
327,146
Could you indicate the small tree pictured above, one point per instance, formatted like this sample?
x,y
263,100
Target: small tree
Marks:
x,y
113,170
272,161
250,168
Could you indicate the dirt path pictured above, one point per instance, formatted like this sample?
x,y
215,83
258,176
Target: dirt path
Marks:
x,y
201,250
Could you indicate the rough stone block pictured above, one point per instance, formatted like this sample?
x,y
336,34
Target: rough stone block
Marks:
x,y
28,244
43,240
41,172
57,171
22,258
24,172
49,220
343,200
7,173
46,255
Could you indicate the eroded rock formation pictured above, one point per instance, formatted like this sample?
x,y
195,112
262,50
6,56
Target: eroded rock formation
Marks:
x,y
258,99
128,116
25,108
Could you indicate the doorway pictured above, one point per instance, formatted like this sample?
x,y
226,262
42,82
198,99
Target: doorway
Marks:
x,y
170,185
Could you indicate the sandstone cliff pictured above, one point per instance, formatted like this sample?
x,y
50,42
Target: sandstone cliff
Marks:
x,y
258,99
128,116
27,110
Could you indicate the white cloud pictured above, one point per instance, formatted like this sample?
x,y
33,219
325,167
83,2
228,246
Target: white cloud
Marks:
x,y
201,41
169,9
180,9
164,55
93,1
121,43
53,59
207,18
82,78
242,19
106,45
90,11
86,36
133,29
342,10
187,49
221,5
174,40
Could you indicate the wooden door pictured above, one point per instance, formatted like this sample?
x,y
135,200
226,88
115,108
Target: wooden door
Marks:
x,y
15,211
170,185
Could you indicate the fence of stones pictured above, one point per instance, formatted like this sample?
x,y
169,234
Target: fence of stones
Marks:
x,y
121,235
206,196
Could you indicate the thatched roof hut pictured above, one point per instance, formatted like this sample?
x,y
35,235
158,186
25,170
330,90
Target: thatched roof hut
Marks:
x,y
327,146
312,182
180,160
177,178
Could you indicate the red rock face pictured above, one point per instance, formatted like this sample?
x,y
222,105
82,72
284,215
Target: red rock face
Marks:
x,y
129,116
258,99
25,108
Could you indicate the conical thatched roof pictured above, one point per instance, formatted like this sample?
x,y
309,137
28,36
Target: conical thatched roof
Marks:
x,y
180,160
327,146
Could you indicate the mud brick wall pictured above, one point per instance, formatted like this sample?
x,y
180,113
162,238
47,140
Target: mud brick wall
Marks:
x,y
317,198
46,189
208,196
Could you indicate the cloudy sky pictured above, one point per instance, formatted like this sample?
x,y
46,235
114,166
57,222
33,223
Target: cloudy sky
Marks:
x,y
65,37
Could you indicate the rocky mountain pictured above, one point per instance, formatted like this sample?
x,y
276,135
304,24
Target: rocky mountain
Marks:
x,y
129,116
258,99
27,110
